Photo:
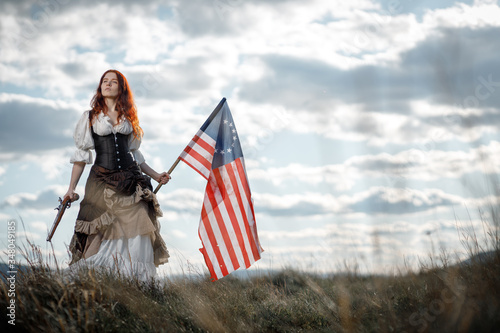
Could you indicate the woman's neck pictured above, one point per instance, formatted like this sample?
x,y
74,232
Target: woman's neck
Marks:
x,y
110,104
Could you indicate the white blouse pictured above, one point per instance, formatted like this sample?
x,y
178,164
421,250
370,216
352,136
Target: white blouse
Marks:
x,y
102,126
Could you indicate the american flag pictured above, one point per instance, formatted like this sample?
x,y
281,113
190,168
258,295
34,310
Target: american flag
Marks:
x,y
227,230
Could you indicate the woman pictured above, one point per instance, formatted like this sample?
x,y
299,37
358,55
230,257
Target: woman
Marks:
x,y
117,224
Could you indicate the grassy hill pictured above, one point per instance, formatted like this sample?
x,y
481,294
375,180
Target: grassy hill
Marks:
x,y
460,298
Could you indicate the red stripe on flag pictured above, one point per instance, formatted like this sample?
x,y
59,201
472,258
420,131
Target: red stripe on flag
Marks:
x,y
242,218
202,143
200,158
244,182
198,154
241,206
243,177
220,222
193,167
227,229
213,242
208,262
229,192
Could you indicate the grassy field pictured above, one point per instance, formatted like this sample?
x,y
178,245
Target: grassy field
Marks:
x,y
437,298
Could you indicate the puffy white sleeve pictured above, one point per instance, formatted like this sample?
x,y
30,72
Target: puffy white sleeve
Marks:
x,y
83,141
134,145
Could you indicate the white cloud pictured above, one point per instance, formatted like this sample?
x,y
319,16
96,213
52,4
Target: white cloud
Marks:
x,y
69,50
424,163
375,201
178,233
182,200
82,49
41,226
481,14
41,201
390,245
30,236
349,71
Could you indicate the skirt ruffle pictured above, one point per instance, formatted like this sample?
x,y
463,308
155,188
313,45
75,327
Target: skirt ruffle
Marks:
x,y
128,257
117,205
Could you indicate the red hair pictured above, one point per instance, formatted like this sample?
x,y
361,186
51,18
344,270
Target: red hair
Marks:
x,y
124,102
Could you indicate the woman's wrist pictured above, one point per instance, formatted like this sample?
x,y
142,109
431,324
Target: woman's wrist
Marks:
x,y
155,176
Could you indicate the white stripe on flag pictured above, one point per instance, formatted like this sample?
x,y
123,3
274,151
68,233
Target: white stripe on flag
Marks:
x,y
238,229
204,147
218,235
227,229
248,208
231,233
239,210
209,250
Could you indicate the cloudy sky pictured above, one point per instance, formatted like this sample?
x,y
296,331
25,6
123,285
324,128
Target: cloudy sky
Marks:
x,y
369,128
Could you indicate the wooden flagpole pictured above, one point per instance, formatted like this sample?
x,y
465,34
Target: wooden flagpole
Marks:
x,y
169,172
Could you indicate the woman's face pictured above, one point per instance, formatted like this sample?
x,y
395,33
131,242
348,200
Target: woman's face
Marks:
x,y
109,85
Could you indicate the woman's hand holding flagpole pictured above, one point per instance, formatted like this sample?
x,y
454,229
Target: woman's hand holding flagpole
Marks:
x,y
168,173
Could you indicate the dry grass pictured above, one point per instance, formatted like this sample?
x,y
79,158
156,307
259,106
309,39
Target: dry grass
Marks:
x,y
448,298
